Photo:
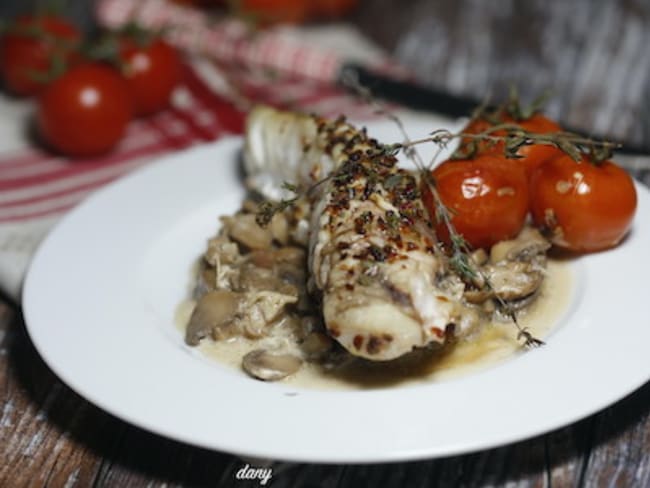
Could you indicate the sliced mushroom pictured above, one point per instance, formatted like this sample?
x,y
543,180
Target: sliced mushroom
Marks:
x,y
270,366
279,228
479,257
522,303
513,280
206,280
450,283
214,315
300,232
254,279
263,308
290,325
221,250
477,295
508,280
250,206
528,244
267,258
244,229
300,222
292,274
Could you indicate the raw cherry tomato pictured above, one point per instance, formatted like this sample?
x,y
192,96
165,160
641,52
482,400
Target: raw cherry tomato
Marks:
x,y
487,198
273,11
29,47
532,155
152,71
333,8
583,206
85,112
202,3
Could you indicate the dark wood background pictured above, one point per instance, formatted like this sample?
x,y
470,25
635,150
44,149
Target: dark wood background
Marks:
x,y
595,55
592,55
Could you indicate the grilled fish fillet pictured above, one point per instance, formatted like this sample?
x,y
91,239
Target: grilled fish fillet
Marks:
x,y
371,252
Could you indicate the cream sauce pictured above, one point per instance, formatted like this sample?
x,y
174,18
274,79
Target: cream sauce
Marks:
x,y
495,343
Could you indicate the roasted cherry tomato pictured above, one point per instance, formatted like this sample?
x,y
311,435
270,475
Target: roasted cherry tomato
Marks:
x,y
29,48
84,112
532,155
487,198
583,206
152,71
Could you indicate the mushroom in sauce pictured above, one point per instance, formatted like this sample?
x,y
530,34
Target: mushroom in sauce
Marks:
x,y
214,315
270,366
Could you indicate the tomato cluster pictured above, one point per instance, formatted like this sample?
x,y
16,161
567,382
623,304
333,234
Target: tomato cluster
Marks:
x,y
87,91
583,206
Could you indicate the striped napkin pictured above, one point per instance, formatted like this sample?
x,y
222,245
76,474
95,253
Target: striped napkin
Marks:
x,y
227,70
315,53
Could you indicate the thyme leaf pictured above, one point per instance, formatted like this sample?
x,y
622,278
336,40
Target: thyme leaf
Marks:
x,y
289,187
267,210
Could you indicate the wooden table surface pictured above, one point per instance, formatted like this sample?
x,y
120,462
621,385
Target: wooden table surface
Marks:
x,y
50,436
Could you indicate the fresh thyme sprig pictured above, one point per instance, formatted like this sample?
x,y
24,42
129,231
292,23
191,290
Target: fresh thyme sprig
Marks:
x,y
267,209
524,333
515,138
460,259
462,263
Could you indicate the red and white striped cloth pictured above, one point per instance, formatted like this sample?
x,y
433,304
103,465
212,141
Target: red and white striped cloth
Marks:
x,y
35,183
38,187
284,49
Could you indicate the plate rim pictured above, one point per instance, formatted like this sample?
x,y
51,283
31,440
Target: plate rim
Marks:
x,y
31,286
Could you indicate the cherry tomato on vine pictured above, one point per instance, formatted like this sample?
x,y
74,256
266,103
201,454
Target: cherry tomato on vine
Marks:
x,y
487,199
85,111
152,71
533,155
583,206
30,46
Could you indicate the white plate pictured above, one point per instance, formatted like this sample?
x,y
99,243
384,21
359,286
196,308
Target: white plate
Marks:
x,y
100,297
